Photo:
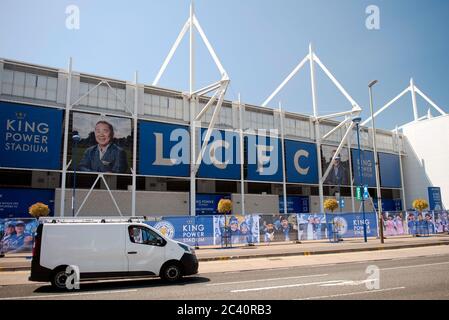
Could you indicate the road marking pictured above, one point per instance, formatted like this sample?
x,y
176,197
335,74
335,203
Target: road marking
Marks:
x,y
351,293
349,283
68,294
286,286
415,266
271,279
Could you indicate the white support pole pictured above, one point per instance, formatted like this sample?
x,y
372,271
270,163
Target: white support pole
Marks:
x,y
337,152
136,92
210,127
339,114
208,45
284,178
414,104
348,141
242,156
192,116
207,106
289,77
336,83
317,127
341,124
209,88
404,204
66,137
88,195
433,104
172,51
385,106
112,196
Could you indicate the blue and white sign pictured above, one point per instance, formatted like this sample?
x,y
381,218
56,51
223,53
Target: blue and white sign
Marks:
x,y
264,158
435,202
207,204
30,136
390,171
163,149
365,192
301,162
14,203
295,204
350,225
368,167
221,158
190,230
389,204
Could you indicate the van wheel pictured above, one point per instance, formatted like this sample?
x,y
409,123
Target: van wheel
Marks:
x,y
171,272
58,280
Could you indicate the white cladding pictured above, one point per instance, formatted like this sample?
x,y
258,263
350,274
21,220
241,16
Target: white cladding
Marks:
x,y
427,160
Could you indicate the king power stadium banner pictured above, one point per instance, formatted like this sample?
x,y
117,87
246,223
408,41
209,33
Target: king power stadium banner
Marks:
x,y
30,137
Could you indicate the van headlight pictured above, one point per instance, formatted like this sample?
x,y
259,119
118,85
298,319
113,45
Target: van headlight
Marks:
x,y
186,248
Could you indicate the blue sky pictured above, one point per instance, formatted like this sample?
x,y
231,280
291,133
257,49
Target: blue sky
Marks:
x,y
258,41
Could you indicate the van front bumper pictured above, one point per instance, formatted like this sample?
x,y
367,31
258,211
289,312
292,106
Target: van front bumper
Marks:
x,y
189,264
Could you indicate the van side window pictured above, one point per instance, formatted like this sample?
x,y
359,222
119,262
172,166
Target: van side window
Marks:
x,y
141,235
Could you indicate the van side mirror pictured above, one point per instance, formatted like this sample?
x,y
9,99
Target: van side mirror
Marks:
x,y
159,242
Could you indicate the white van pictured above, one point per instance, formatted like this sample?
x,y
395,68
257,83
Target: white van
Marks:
x,y
106,249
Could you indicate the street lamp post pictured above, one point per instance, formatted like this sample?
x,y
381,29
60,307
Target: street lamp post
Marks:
x,y
357,120
75,139
376,164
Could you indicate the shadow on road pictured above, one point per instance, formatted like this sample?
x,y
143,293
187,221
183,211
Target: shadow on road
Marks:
x,y
119,284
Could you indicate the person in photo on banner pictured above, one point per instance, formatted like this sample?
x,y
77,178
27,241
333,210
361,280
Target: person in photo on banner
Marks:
x,y
105,156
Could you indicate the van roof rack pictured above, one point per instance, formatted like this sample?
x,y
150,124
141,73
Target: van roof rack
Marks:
x,y
91,219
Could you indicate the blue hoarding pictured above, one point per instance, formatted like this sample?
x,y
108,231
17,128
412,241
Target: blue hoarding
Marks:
x,y
14,203
390,171
190,230
350,225
221,158
207,204
301,162
30,136
435,202
264,158
389,204
163,149
368,168
295,204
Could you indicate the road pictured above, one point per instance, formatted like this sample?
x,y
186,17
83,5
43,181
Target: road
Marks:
x,y
422,275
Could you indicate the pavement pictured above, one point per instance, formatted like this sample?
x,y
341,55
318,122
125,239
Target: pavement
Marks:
x,y
22,261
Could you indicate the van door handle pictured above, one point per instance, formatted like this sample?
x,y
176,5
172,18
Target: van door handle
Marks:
x,y
132,252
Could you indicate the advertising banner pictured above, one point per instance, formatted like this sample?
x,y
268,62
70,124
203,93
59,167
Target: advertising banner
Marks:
x,y
207,204
17,235
105,145
164,149
420,223
390,171
278,228
301,162
264,158
295,204
30,137
221,158
241,229
312,226
394,224
14,203
339,174
441,221
350,225
435,202
368,168
194,231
